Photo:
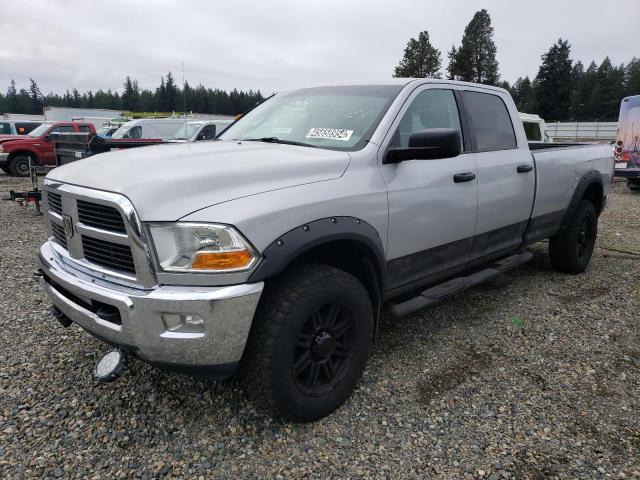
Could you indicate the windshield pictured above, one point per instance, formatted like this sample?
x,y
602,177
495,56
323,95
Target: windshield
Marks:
x,y
337,118
36,132
187,131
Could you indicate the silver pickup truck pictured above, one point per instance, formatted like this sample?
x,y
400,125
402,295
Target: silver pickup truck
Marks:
x,y
275,247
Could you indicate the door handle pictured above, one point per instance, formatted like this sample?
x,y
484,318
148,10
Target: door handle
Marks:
x,y
524,168
463,177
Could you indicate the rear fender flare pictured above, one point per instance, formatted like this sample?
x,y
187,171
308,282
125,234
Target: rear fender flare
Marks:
x,y
590,178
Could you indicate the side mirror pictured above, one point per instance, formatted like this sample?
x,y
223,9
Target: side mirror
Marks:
x,y
429,144
47,138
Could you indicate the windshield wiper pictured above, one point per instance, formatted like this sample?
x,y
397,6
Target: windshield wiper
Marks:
x,y
277,140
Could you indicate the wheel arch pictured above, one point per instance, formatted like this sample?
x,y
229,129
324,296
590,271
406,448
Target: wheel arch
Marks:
x,y
589,187
21,152
348,243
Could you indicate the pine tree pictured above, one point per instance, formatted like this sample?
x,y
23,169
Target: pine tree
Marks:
x,y
11,101
420,60
171,93
553,83
36,104
632,78
452,66
524,95
475,60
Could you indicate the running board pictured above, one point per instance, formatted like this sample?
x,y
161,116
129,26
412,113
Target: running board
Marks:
x,y
457,285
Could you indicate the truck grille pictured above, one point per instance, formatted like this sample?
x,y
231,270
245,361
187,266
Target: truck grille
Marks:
x,y
58,234
96,233
100,216
108,254
55,202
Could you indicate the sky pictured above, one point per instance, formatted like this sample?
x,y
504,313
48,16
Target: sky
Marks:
x,y
277,45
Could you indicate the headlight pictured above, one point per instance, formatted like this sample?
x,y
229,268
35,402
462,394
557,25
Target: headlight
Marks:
x,y
201,247
1,149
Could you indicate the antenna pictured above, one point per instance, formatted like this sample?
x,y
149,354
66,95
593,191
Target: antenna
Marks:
x,y
184,93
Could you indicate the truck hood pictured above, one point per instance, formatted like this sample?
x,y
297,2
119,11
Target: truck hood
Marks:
x,y
11,138
167,182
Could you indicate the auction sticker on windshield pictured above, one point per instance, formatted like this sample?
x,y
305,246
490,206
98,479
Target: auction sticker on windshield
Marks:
x,y
330,133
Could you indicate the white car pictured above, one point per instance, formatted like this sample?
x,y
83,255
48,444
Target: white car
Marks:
x,y
194,131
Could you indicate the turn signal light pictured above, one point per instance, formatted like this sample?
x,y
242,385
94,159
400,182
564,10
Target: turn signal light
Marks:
x,y
221,260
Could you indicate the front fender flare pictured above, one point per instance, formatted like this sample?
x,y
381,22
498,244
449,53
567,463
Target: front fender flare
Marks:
x,y
289,246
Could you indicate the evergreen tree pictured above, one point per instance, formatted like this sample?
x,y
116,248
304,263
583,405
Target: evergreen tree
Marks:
x,y
11,100
36,103
632,78
452,67
475,60
420,60
553,83
577,90
171,93
524,95
131,95
161,96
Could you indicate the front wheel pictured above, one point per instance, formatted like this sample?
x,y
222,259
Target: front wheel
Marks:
x,y
309,343
19,166
570,251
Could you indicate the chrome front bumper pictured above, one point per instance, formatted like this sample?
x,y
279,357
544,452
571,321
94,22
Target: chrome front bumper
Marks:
x,y
153,323
4,157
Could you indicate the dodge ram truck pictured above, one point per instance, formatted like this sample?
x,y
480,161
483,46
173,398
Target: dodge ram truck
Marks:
x,y
37,146
274,249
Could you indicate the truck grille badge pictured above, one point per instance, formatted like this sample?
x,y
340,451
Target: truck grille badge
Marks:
x,y
67,225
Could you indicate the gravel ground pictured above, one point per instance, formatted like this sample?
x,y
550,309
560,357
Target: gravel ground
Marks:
x,y
533,375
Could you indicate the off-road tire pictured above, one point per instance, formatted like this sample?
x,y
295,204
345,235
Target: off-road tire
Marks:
x,y
288,304
19,166
570,250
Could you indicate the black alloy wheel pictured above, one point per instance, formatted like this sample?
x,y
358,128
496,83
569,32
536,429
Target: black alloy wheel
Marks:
x,y
323,349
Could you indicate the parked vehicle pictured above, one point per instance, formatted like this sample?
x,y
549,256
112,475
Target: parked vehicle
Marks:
x,y
37,146
627,147
16,128
194,131
70,147
162,128
275,247
108,130
535,128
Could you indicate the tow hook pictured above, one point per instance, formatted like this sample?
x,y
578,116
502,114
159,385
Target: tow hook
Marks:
x,y
111,365
61,317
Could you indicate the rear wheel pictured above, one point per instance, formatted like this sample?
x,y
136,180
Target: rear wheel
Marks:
x,y
19,166
633,185
309,343
570,251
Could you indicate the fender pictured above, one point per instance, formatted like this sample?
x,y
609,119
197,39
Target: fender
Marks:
x,y
289,246
22,149
590,178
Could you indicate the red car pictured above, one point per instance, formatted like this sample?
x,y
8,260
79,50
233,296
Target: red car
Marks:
x,y
37,146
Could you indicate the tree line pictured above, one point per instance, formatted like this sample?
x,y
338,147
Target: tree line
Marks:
x,y
562,90
167,97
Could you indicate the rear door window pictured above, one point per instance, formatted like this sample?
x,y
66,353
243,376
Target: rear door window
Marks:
x,y
62,129
491,121
22,128
84,128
